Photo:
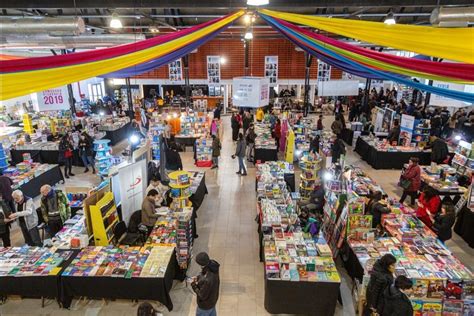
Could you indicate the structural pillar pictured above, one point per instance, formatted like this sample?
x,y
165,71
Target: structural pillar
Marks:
x,y
307,87
129,99
187,87
70,92
246,57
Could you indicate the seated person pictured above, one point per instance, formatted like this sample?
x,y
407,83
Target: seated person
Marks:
x,y
444,221
149,215
155,184
428,205
376,207
315,202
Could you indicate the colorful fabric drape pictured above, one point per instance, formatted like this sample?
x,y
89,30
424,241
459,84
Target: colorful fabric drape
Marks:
x,y
9,57
310,43
446,71
450,43
28,75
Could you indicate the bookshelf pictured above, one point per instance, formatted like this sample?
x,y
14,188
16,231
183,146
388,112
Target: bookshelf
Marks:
x,y
463,159
28,124
421,131
103,158
180,183
310,165
104,217
204,152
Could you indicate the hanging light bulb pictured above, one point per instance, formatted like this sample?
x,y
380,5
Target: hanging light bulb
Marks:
x,y
247,19
248,35
115,22
258,2
390,19
223,60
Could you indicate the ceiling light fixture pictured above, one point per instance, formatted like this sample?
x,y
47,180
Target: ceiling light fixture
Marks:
x,y
248,35
115,22
223,60
247,19
390,19
154,29
258,2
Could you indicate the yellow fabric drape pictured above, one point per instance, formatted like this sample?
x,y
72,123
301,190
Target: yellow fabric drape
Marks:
x,y
449,43
21,83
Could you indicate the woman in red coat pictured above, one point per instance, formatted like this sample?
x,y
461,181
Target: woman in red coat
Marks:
x,y
428,205
413,174
277,133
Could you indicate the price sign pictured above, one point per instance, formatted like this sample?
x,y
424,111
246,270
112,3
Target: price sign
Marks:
x,y
53,99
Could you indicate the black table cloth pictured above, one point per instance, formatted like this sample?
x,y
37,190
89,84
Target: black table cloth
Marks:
x,y
185,140
464,226
155,289
47,286
43,156
351,263
347,136
309,298
118,135
388,159
51,177
263,155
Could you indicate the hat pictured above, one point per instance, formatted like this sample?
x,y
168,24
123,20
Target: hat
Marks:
x,y
202,259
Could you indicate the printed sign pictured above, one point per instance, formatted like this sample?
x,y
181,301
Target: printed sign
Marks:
x,y
406,129
53,99
133,180
213,69
271,69
175,71
252,92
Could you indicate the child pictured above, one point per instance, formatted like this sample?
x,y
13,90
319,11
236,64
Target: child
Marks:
x,y
444,221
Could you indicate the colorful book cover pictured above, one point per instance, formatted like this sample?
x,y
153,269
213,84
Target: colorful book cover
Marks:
x,y
468,290
469,308
432,308
417,307
436,288
453,289
420,288
452,308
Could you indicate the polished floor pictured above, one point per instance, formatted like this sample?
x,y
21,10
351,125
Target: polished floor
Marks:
x,y
227,231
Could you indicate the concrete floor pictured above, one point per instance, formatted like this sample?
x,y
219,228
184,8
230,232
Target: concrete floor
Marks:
x,y
227,231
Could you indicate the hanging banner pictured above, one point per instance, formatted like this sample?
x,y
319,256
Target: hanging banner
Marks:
x,y
379,119
213,69
338,88
439,100
271,69
406,129
175,71
133,180
53,99
251,92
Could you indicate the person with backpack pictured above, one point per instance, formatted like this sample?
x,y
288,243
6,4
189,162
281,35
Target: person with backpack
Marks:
x,y
216,151
397,303
381,277
65,155
55,208
240,154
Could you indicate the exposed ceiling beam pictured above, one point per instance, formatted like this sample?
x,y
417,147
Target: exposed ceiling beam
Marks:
x,y
218,4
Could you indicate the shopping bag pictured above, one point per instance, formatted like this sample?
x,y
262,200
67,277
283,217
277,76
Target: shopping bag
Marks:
x,y
405,183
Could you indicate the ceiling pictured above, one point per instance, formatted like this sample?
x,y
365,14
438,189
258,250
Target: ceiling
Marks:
x,y
146,16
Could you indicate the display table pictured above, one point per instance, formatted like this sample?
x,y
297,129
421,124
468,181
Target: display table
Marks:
x,y
154,289
43,156
187,141
261,155
464,226
351,263
117,135
309,298
388,159
51,177
35,286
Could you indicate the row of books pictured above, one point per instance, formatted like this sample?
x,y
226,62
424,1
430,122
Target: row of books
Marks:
x,y
123,262
31,261
264,139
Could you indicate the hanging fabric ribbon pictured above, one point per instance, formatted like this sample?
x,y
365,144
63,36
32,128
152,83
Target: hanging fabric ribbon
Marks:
x,y
450,43
28,75
307,42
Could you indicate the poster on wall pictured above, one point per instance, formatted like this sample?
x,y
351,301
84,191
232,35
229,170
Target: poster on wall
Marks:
x,y
252,92
271,69
379,119
133,182
213,69
406,129
324,71
175,71
439,100
387,120
53,99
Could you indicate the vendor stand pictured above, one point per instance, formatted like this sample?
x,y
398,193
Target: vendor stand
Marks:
x,y
138,282
265,147
446,187
35,278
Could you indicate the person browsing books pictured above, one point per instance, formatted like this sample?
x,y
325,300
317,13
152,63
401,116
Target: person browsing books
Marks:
x,y
55,208
206,285
27,217
444,221
149,215
381,277
396,302
376,207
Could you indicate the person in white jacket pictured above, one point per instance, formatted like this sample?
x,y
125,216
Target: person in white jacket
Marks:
x,y
27,217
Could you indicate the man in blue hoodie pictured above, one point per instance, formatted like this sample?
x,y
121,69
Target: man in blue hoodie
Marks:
x,y
206,285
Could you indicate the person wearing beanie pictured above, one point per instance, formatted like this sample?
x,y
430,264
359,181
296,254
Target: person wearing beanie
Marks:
x,y
206,285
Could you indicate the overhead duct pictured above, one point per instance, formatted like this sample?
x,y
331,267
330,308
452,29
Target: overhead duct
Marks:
x,y
452,17
53,26
67,42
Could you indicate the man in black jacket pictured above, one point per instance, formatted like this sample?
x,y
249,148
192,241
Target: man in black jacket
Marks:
x,y
396,303
206,285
